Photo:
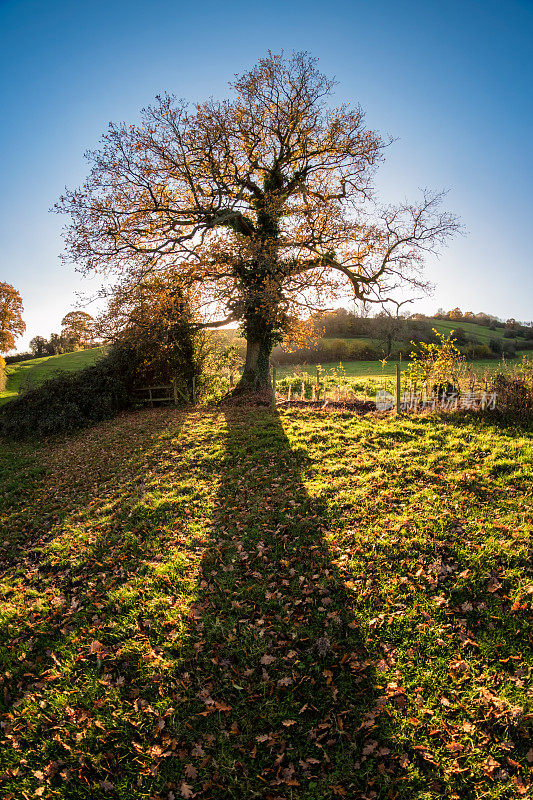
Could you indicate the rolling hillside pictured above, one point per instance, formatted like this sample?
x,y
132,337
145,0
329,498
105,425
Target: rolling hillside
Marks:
x,y
37,370
480,332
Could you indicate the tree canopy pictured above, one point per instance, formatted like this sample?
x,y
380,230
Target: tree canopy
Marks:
x,y
264,203
77,329
38,346
153,319
11,323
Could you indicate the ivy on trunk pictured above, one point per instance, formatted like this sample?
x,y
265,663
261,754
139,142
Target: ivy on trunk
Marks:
x,y
263,203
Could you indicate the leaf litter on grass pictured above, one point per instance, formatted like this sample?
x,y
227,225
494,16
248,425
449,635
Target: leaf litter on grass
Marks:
x,y
240,604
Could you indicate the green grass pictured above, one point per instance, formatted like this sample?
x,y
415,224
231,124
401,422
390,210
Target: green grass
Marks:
x,y
352,368
480,332
238,604
38,370
365,377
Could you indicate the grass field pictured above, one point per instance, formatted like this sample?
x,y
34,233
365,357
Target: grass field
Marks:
x,y
480,332
238,604
39,369
377,369
364,378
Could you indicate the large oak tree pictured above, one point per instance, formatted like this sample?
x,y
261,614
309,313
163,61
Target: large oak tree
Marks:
x,y
264,202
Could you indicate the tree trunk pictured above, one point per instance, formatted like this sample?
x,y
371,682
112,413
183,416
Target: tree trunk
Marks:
x,y
256,375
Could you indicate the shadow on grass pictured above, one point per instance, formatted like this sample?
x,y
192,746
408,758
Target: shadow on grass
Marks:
x,y
81,573
277,700
185,630
131,675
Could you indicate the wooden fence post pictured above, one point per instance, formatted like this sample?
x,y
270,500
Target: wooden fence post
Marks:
x,y
273,388
398,386
175,389
193,390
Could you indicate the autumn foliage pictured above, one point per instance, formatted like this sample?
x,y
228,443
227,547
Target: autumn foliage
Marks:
x,y
218,605
11,322
263,202
78,329
154,320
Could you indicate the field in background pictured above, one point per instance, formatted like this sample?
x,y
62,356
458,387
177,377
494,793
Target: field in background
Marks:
x,y
480,332
376,369
364,376
38,370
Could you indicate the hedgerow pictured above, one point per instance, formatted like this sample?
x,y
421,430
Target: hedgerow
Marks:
x,y
71,400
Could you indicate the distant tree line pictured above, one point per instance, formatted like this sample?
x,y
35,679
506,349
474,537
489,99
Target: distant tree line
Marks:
x,y
386,335
385,329
78,332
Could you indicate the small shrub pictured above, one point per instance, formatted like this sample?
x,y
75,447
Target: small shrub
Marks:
x,y
496,346
509,349
436,366
480,351
514,397
19,357
514,393
460,337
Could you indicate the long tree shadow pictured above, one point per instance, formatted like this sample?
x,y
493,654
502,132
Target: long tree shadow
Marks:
x,y
294,685
116,683
183,628
279,699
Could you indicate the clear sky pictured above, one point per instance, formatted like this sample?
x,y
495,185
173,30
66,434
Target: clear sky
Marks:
x,y
451,81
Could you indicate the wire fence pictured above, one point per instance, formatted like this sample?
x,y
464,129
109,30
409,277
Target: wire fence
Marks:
x,y
384,393
334,387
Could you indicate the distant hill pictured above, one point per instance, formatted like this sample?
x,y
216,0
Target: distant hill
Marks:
x,y
37,370
480,332
344,336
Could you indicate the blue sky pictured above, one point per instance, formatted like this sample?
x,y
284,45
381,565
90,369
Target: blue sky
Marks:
x,y
451,81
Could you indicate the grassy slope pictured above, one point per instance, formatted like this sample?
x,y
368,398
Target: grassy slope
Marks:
x,y
39,369
238,605
481,333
